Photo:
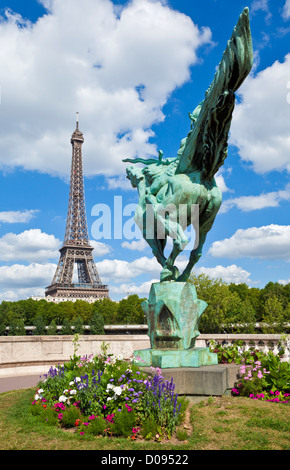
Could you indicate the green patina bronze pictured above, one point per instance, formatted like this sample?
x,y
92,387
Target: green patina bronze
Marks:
x,y
170,190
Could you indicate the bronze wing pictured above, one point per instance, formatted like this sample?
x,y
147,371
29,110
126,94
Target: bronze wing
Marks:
x,y
206,145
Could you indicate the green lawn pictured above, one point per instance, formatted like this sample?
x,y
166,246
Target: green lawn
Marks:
x,y
218,423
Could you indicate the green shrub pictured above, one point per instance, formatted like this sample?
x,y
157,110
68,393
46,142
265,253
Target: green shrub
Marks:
x,y
124,422
69,417
46,414
181,434
149,428
97,426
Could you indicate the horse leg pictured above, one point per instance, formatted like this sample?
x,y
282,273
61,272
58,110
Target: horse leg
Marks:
x,y
170,272
157,250
193,258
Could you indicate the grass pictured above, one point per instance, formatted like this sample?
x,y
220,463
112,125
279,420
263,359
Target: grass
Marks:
x,y
218,423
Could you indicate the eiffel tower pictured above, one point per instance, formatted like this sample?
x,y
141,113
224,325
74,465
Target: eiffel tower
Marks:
x,y
76,249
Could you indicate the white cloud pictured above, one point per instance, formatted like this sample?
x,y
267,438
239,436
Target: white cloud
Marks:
x,y
284,281
286,10
100,249
30,245
19,276
139,245
220,181
268,242
12,295
130,288
120,182
112,66
228,274
13,217
261,5
260,126
112,271
250,203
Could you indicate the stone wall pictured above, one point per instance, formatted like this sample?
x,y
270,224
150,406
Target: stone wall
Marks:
x,y
25,351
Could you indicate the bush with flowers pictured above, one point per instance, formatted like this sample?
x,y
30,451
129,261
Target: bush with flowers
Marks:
x,y
107,395
266,379
262,375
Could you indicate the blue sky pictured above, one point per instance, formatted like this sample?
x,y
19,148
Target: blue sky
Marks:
x,y
133,71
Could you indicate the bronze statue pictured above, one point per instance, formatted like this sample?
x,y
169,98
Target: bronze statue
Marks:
x,y
167,184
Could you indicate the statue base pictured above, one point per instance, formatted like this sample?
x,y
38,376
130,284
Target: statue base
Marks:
x,y
170,358
173,312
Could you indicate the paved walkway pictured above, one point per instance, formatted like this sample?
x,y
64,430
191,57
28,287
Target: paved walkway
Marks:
x,y
17,383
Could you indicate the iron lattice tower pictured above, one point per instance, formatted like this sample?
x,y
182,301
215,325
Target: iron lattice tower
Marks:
x,y
76,249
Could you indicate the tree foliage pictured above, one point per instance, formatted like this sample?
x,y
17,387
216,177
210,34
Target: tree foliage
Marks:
x,y
231,308
242,306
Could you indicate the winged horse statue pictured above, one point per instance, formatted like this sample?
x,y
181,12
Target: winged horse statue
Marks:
x,y
188,181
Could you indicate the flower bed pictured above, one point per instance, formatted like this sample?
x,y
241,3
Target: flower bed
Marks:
x,y
106,395
261,377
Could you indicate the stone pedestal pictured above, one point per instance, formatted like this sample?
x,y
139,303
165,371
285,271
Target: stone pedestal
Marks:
x,y
173,312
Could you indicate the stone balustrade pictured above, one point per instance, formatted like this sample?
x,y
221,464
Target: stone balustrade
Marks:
x,y
262,342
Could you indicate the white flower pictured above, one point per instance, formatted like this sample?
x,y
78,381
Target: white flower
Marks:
x,y
117,390
71,383
65,391
110,387
62,398
109,398
40,390
73,392
77,379
36,396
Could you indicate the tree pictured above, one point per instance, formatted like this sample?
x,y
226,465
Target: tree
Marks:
x,y
17,327
130,311
108,309
2,328
273,317
39,326
83,310
52,328
222,304
246,318
66,327
241,289
275,289
97,324
78,325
